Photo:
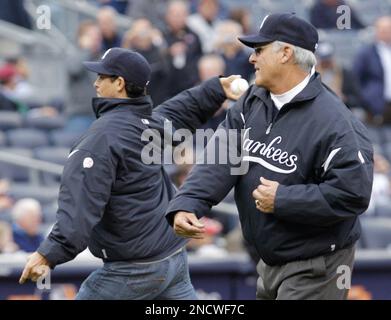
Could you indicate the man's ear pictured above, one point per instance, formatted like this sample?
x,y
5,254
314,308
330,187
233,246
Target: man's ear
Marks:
x,y
120,81
287,54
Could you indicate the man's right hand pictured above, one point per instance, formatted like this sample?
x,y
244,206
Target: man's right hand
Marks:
x,y
187,225
37,266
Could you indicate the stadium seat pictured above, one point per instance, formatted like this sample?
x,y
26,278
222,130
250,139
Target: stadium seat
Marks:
x,y
44,194
376,134
57,155
3,139
386,150
386,133
346,43
376,233
10,120
276,6
369,11
383,210
14,172
45,123
49,212
62,138
27,138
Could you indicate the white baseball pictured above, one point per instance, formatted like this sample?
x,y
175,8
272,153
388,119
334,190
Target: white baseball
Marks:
x,y
239,86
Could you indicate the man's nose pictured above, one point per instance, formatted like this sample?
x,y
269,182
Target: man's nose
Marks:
x,y
252,59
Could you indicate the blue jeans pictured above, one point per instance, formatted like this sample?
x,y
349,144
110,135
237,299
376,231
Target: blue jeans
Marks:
x,y
168,279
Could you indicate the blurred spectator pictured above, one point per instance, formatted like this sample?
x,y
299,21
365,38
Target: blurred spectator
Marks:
x,y
153,10
381,189
7,245
184,49
120,6
78,108
209,66
5,200
20,94
243,17
147,40
110,35
13,11
341,80
211,245
7,86
372,66
324,15
359,292
23,90
233,52
235,243
203,22
27,218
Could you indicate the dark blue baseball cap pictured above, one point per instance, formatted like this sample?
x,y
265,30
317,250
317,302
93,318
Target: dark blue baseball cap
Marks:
x,y
286,27
125,63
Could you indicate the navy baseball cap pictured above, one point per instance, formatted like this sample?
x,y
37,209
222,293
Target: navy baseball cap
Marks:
x,y
125,63
286,27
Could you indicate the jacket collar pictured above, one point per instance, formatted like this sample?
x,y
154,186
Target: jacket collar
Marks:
x,y
312,89
141,105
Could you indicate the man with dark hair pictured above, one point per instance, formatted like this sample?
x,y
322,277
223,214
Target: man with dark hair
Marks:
x,y
112,201
310,169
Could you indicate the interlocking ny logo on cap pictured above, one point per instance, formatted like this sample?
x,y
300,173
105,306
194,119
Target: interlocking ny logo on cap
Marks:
x,y
106,53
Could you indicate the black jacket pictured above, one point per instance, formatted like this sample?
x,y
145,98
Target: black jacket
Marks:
x,y
109,199
318,152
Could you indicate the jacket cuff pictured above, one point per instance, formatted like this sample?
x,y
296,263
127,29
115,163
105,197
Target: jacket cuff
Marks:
x,y
217,90
53,252
195,206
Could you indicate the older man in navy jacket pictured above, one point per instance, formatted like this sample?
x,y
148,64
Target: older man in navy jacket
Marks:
x,y
308,175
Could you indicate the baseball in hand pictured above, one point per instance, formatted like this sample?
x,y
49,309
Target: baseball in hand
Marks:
x,y
238,86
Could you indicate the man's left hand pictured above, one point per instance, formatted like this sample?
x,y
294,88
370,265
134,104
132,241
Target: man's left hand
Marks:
x,y
265,195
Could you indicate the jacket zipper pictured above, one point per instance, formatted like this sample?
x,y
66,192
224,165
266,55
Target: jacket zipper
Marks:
x,y
274,120
269,127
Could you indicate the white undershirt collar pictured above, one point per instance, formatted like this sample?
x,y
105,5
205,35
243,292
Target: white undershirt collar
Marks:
x,y
281,99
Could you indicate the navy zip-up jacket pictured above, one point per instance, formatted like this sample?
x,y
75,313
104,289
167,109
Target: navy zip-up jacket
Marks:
x,y
318,152
110,200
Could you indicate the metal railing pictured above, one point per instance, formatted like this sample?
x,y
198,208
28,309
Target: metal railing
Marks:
x,y
25,36
67,15
34,165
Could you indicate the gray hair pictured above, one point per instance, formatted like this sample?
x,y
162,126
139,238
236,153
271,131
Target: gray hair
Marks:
x,y
303,57
24,206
